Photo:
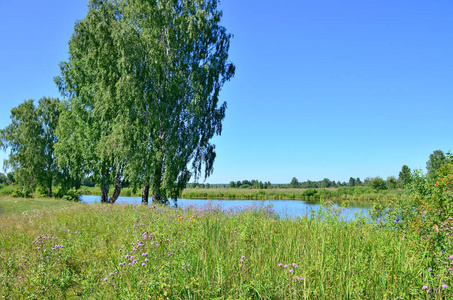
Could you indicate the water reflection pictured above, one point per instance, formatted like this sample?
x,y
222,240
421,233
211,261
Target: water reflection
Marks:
x,y
284,208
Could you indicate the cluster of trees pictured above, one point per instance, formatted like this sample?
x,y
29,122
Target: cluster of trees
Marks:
x,y
7,179
254,184
142,86
436,160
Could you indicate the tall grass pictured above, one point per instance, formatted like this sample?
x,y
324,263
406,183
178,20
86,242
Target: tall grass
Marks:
x,y
137,252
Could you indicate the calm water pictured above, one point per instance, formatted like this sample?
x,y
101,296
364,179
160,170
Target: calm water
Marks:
x,y
285,208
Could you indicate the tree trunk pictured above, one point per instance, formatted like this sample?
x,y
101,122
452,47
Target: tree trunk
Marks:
x,y
49,182
157,180
157,197
145,194
118,186
105,192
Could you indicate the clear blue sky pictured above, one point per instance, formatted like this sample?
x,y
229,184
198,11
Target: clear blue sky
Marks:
x,y
323,88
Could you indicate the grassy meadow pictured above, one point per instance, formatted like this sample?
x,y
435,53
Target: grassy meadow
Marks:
x,y
101,251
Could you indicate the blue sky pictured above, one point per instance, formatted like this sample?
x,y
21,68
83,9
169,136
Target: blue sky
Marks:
x,y
323,88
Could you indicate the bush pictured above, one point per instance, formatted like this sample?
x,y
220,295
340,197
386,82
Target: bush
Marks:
x,y
8,189
309,193
425,214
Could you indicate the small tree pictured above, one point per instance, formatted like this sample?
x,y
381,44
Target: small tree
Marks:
x,y
404,177
294,183
378,183
436,160
392,182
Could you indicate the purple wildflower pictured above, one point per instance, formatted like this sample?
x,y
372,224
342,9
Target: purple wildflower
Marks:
x,y
291,270
105,279
424,287
444,286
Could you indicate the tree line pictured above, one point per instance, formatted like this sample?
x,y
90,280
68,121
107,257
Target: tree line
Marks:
x,y
436,160
141,102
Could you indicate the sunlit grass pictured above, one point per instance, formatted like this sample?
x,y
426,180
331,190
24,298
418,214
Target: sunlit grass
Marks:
x,y
14,205
136,252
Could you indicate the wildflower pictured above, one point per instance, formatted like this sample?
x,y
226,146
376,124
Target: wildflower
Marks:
x,y
285,266
280,265
20,277
143,264
430,270
424,287
146,259
111,274
241,261
291,270
105,279
294,265
451,256
444,286
121,249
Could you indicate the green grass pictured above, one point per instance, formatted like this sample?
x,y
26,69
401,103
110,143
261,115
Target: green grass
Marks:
x,y
337,260
12,205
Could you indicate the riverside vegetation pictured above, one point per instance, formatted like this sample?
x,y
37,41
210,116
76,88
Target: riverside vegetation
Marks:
x,y
137,252
141,252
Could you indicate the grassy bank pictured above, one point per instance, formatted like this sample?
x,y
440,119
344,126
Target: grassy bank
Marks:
x,y
136,252
364,194
13,205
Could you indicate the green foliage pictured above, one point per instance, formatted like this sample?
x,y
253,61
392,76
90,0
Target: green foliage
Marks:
x,y
31,138
404,177
392,183
9,189
378,183
425,214
157,69
436,160
3,178
294,183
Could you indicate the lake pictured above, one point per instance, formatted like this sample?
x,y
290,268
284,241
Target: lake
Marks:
x,y
284,208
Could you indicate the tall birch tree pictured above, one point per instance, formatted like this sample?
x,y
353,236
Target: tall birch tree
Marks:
x,y
143,82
